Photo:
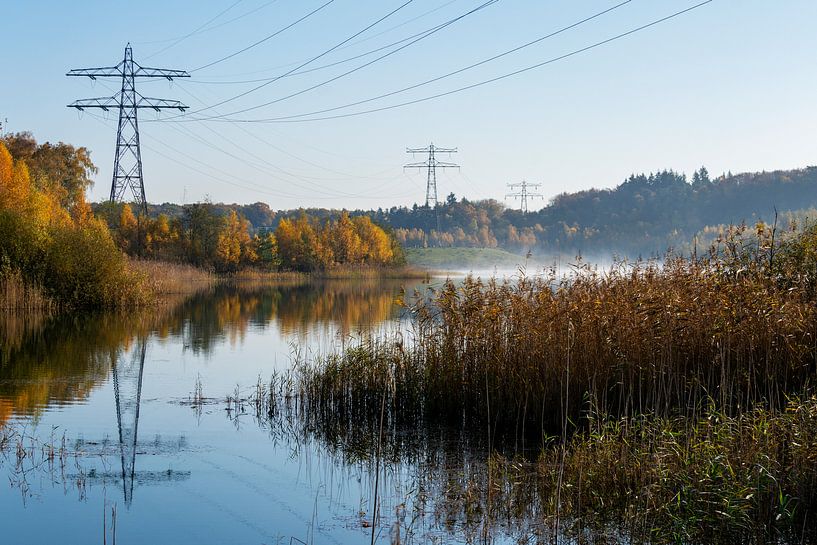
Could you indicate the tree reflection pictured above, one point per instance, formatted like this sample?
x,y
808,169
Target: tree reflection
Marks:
x,y
47,361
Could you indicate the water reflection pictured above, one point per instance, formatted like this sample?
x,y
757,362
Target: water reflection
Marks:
x,y
127,383
52,362
209,319
75,373
55,361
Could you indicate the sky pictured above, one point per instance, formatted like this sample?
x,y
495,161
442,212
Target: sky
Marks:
x,y
729,85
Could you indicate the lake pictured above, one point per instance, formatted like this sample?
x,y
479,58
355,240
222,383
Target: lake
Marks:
x,y
140,425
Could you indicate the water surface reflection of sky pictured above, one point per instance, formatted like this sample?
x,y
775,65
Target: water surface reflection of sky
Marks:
x,y
117,386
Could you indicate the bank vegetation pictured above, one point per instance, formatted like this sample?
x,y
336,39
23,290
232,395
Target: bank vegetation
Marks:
x,y
669,403
57,251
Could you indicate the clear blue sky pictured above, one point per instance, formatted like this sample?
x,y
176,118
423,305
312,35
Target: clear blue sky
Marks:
x,y
730,85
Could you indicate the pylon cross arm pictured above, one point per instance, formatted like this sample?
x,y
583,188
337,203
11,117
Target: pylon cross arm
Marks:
x,y
147,72
93,73
106,103
103,103
160,104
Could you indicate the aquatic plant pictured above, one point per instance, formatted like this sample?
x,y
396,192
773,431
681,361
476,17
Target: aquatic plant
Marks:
x,y
655,403
531,356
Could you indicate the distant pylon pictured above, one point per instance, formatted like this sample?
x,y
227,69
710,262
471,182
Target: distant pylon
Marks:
x,y
523,194
127,166
431,165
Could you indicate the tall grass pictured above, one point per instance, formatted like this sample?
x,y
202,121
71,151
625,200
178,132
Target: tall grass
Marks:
x,y
665,403
537,352
18,295
163,278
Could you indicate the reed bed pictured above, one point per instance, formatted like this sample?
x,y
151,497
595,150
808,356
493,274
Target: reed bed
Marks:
x,y
18,295
163,278
648,403
749,478
532,356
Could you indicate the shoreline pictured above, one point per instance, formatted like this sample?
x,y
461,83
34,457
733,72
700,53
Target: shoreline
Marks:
x,y
165,281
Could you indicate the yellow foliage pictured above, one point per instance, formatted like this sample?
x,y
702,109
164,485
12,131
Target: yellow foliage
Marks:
x,y
6,165
15,182
234,243
73,258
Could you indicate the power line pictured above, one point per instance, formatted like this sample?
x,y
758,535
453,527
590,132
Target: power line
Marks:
x,y
292,118
209,28
324,53
330,65
182,38
459,71
346,46
348,72
266,38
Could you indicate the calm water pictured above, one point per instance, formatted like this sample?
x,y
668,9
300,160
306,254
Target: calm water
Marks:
x,y
117,387
116,390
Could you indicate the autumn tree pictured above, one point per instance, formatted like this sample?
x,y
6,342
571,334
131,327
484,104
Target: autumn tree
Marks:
x,y
345,240
298,244
60,169
234,246
68,252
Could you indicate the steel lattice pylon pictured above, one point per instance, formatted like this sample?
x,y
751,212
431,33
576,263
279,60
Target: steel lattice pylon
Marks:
x,y
127,167
524,194
431,165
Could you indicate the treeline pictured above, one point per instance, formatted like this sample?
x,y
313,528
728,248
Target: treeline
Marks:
x,y
218,238
58,250
644,215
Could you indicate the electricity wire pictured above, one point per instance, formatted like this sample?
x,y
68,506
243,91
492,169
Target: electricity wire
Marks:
x,y
209,28
297,118
302,65
182,38
362,66
324,66
350,44
265,39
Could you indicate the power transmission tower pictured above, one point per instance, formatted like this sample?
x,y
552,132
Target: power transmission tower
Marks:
x,y
127,166
523,194
431,165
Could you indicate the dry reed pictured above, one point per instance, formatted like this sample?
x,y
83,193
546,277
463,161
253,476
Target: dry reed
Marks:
x,y
540,351
17,295
162,278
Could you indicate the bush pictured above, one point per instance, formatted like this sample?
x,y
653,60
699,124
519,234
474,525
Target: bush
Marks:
x,y
84,268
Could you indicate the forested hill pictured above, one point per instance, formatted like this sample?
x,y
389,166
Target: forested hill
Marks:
x,y
644,215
